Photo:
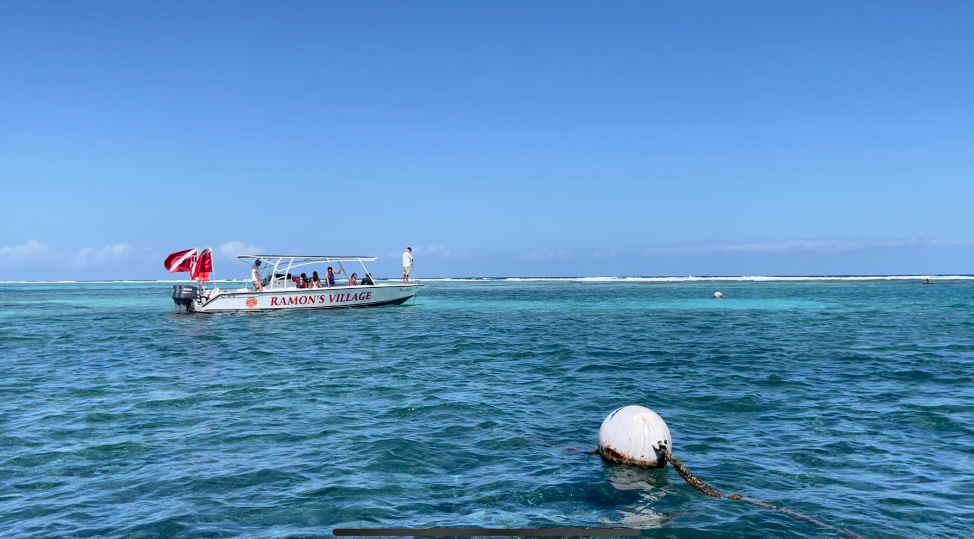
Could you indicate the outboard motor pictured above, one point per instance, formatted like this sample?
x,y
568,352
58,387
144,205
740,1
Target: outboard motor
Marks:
x,y
183,297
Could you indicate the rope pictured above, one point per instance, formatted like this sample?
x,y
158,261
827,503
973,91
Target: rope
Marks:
x,y
686,474
695,482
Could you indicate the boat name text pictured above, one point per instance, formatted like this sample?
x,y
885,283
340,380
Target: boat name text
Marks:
x,y
321,298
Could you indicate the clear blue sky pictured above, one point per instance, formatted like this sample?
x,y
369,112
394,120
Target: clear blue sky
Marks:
x,y
496,138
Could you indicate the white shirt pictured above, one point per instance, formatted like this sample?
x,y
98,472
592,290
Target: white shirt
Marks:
x,y
254,275
407,259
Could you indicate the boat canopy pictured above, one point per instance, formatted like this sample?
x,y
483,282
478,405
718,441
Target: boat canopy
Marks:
x,y
308,258
276,267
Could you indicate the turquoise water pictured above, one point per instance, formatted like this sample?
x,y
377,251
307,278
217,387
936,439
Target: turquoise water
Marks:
x,y
850,402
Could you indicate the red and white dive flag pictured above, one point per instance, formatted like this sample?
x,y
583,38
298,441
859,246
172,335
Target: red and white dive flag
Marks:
x,y
203,267
199,265
181,261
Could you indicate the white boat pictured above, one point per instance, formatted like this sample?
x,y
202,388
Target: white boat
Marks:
x,y
281,293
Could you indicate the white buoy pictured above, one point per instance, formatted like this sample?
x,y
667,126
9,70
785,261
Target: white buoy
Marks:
x,y
631,435
718,295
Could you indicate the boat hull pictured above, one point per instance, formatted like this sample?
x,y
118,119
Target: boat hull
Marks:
x,y
244,300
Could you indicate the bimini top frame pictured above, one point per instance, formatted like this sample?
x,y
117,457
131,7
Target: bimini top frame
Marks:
x,y
283,264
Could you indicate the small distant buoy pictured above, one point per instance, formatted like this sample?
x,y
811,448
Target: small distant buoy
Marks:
x,y
718,295
631,435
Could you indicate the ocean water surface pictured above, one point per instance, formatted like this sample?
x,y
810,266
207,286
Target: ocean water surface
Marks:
x,y
849,401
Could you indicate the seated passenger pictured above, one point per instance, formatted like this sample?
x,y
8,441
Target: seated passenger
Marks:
x,y
367,281
305,281
316,281
353,280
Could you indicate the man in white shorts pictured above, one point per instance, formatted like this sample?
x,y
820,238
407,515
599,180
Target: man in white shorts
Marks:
x,y
407,264
255,277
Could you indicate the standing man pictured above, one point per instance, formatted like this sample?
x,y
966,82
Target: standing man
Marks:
x,y
255,277
407,264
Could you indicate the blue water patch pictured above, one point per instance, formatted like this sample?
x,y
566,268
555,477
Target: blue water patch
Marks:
x,y
848,401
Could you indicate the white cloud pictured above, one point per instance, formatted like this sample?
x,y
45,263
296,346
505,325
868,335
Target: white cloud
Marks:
x,y
101,255
605,253
436,249
825,245
786,246
232,249
432,250
545,254
31,249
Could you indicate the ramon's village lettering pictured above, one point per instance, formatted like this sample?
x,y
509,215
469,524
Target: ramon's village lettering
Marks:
x,y
342,298
319,299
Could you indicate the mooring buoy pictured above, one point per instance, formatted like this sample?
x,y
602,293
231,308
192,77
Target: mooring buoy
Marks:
x,y
718,295
638,436
631,435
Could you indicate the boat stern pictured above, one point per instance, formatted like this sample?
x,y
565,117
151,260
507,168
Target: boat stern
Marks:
x,y
184,296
